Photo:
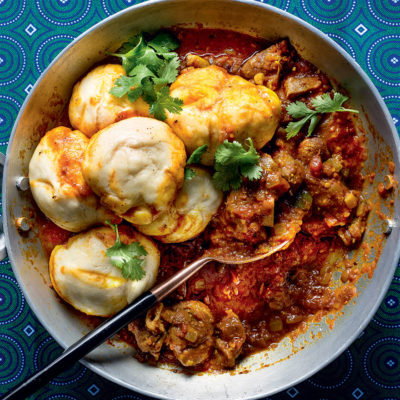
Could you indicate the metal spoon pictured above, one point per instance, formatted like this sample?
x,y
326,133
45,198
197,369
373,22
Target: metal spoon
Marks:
x,y
111,326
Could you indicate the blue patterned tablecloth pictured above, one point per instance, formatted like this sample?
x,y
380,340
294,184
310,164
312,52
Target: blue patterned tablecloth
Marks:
x,y
33,32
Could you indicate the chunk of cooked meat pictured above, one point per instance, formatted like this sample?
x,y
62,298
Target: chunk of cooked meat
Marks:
x,y
251,207
271,177
329,196
191,335
288,219
317,228
332,165
269,62
340,135
258,335
153,319
302,83
292,170
150,337
311,147
295,86
146,341
231,336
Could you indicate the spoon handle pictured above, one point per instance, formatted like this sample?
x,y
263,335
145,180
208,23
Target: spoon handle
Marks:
x,y
104,331
83,346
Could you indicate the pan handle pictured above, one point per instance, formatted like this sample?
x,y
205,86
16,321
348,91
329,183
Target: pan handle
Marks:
x,y
3,250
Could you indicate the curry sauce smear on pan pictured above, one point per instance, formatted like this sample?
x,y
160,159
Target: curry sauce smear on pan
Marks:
x,y
224,313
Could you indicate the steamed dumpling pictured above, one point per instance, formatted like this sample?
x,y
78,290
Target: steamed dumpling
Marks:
x,y
219,106
136,167
195,205
84,277
92,107
57,182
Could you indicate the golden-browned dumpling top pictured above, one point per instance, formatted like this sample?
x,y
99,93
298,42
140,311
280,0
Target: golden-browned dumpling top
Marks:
x,y
84,277
136,167
192,210
57,183
92,107
219,106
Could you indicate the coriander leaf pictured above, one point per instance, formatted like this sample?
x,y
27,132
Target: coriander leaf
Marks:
x,y
171,54
129,44
195,157
150,59
231,153
134,94
149,92
141,54
164,42
168,71
232,162
140,72
298,110
227,151
132,57
227,179
165,102
127,257
325,104
122,86
251,156
189,174
313,123
252,172
294,128
249,163
131,84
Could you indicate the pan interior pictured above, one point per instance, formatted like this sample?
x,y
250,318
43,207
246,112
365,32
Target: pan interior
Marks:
x,y
47,101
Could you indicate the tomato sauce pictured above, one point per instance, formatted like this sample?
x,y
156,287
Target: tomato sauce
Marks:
x,y
226,49
203,41
50,234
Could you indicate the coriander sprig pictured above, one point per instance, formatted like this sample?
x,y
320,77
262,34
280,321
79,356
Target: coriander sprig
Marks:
x,y
322,104
150,67
233,162
127,257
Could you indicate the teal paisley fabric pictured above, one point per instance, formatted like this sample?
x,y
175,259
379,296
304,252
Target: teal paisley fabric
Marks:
x,y
33,32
